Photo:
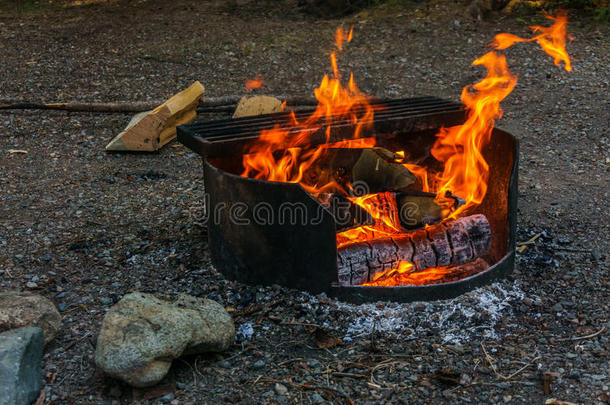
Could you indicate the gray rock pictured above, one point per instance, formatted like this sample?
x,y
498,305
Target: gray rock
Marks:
x,y
316,398
21,309
280,389
142,334
20,371
258,364
557,308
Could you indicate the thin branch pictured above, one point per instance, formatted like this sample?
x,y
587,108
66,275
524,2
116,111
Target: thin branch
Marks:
x,y
584,337
208,104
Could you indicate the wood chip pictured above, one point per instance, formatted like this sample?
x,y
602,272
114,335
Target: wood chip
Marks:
x,y
324,340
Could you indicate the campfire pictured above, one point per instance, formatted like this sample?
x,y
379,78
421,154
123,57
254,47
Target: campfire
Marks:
x,y
419,192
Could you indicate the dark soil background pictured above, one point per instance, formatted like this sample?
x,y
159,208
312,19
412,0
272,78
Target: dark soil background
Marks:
x,y
83,227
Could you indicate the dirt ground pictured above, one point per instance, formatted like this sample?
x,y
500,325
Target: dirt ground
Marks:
x,y
83,227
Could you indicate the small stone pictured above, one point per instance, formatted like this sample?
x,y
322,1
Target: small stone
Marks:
x,y
167,398
31,284
141,335
20,360
596,255
21,309
258,364
557,308
224,364
316,398
280,389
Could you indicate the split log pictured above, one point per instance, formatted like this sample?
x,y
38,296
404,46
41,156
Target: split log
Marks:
x,y
257,105
369,170
150,130
447,244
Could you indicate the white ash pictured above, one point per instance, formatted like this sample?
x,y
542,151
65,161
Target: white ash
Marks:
x,y
457,320
244,332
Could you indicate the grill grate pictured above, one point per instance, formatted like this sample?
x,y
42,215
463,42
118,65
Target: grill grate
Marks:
x,y
229,136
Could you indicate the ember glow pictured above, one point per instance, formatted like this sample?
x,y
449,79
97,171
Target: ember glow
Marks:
x,y
255,83
281,154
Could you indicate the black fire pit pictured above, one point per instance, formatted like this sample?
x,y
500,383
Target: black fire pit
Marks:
x,y
263,232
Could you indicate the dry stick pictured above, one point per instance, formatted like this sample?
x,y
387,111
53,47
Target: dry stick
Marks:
x,y
211,104
584,337
523,245
305,386
493,367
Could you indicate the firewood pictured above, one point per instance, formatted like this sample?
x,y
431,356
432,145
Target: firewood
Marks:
x,y
257,105
150,130
446,244
369,170
406,211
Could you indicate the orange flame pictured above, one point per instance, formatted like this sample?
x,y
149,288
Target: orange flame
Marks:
x,y
335,103
285,154
255,83
465,171
551,39
403,275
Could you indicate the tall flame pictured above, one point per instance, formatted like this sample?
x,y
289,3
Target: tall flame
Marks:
x,y
335,102
279,155
465,170
551,39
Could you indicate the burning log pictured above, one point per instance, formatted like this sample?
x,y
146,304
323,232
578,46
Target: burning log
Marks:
x,y
368,170
405,211
447,244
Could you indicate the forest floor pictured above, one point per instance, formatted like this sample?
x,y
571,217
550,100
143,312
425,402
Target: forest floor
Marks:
x,y
84,227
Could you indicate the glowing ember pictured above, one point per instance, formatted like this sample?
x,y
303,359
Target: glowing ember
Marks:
x,y
282,155
255,83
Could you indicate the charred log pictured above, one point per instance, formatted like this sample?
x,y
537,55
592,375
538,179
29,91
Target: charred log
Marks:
x,y
447,244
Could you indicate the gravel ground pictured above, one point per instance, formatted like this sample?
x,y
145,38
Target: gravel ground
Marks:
x,y
83,227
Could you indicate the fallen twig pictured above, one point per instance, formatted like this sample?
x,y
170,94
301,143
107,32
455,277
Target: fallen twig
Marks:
x,y
301,324
306,387
495,370
603,328
523,245
209,104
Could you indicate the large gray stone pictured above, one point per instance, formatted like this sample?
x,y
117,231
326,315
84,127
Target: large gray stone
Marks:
x,y
21,309
20,371
142,334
